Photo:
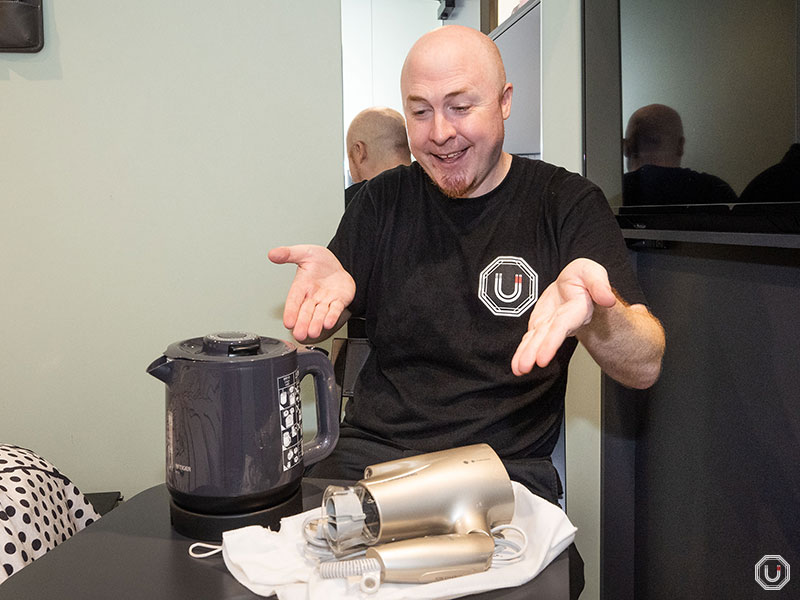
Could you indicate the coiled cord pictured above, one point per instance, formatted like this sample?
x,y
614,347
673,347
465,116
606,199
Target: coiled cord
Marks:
x,y
506,551
317,547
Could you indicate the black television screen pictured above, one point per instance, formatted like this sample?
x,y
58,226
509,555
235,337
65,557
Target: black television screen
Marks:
x,y
710,107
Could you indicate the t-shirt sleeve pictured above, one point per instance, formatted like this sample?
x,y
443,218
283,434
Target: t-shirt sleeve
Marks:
x,y
354,244
589,230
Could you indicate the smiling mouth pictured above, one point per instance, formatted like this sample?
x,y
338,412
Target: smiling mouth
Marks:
x,y
450,157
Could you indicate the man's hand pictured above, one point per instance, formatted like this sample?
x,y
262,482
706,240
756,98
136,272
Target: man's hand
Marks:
x,y
565,306
319,294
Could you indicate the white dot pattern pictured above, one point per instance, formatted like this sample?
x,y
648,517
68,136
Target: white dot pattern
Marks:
x,y
39,508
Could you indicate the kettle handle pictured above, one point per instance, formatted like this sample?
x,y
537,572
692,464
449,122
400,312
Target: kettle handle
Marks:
x,y
316,363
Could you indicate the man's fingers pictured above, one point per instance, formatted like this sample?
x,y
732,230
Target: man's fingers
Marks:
x,y
289,316
601,293
595,280
527,352
317,322
304,318
334,312
279,255
543,339
556,334
291,254
294,301
520,362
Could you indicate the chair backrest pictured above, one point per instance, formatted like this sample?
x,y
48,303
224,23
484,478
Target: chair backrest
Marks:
x,y
348,356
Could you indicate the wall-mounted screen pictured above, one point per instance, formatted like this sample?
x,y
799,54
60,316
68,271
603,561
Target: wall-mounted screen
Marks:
x,y
710,111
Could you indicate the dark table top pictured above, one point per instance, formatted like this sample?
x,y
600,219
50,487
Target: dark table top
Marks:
x,y
133,553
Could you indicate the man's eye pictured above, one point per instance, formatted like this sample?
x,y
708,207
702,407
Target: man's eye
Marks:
x,y
461,108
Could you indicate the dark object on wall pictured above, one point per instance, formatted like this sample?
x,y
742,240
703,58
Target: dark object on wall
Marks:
x,y
445,9
21,26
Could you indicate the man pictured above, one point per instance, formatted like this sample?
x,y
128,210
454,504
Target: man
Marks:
x,y
778,183
653,148
376,141
445,258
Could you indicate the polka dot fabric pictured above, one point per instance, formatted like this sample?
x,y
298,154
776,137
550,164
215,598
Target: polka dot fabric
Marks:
x,y
39,508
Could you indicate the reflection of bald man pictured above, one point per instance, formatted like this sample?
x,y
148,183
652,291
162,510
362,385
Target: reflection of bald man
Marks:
x,y
376,142
653,147
654,136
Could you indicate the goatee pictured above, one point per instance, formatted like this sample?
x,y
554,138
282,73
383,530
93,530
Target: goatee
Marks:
x,y
452,189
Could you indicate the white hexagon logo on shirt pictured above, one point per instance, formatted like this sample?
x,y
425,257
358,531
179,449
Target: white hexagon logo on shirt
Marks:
x,y
508,286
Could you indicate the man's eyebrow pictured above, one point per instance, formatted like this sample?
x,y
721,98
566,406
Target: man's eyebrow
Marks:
x,y
415,99
456,93
447,96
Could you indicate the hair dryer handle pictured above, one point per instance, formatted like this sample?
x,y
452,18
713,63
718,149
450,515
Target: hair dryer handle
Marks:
x,y
434,557
314,362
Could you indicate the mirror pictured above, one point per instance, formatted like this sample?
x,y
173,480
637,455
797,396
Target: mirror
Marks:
x,y
729,71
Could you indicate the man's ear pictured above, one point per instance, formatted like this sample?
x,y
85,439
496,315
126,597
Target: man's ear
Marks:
x,y
681,142
505,100
358,152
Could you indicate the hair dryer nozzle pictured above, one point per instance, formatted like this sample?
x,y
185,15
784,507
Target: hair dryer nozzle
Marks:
x,y
350,518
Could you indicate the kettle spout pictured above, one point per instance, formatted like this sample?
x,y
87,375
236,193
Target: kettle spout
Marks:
x,y
161,368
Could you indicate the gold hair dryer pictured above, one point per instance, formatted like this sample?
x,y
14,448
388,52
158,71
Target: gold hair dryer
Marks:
x,y
423,518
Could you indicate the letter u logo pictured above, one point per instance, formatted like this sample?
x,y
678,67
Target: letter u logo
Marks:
x,y
498,288
777,574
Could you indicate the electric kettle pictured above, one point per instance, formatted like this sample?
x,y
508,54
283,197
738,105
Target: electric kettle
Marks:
x,y
234,436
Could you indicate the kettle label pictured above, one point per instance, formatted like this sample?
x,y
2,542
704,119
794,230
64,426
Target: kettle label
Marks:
x,y
291,419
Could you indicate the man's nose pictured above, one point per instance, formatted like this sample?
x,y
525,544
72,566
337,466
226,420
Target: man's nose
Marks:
x,y
442,129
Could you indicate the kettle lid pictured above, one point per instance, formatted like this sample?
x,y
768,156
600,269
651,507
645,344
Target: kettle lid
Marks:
x,y
229,346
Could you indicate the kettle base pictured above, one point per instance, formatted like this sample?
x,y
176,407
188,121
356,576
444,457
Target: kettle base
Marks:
x,y
209,527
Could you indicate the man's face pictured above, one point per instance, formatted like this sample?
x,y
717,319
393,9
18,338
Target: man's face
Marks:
x,y
454,115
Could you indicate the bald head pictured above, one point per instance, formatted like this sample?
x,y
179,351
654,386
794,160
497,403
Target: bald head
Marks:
x,y
654,136
454,44
376,141
456,100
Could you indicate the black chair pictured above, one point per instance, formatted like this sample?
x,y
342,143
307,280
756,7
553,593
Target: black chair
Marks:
x,y
348,356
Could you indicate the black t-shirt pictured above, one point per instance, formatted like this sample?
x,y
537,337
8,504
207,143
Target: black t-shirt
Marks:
x,y
350,192
447,287
778,183
652,184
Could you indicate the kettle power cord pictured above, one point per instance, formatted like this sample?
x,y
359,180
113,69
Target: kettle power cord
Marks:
x,y
210,550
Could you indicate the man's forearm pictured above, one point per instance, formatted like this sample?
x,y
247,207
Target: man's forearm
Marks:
x,y
627,342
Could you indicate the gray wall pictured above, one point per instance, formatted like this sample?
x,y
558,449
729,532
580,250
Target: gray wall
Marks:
x,y
153,153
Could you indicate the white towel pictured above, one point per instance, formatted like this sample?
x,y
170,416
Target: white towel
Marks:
x,y
268,562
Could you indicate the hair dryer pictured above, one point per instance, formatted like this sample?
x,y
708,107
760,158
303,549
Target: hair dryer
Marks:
x,y
422,519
